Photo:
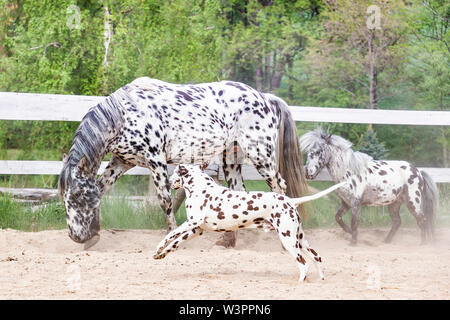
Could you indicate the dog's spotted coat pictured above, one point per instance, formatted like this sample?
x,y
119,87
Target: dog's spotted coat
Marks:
x,y
210,206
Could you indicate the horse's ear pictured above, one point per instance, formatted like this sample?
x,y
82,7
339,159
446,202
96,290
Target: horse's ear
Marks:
x,y
203,166
182,170
328,138
65,157
82,165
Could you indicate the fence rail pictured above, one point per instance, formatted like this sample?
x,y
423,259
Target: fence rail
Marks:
x,y
56,107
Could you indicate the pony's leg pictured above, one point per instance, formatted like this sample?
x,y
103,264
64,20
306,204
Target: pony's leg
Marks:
x,y
356,211
114,170
415,207
342,210
162,185
233,177
394,212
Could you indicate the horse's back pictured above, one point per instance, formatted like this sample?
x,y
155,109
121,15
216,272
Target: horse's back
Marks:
x,y
194,121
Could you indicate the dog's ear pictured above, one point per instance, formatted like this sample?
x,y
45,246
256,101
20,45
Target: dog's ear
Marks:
x,y
203,166
182,170
328,138
65,157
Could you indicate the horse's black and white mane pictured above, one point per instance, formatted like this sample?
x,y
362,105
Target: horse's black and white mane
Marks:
x,y
98,126
341,149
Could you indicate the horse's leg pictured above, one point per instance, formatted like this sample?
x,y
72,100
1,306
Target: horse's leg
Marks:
x,y
342,210
262,155
394,212
356,211
178,199
113,171
233,177
162,185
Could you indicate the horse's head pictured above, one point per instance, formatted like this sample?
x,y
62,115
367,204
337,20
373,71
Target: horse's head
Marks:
x,y
82,201
317,157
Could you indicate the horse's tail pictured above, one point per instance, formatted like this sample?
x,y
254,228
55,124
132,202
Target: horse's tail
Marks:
x,y
290,162
430,200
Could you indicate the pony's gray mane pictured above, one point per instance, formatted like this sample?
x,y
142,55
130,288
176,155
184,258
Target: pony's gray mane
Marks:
x,y
354,161
97,128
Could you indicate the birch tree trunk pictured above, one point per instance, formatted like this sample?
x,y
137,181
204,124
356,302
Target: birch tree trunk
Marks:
x,y
108,33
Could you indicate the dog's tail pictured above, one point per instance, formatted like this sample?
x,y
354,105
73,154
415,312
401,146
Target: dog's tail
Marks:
x,y
297,201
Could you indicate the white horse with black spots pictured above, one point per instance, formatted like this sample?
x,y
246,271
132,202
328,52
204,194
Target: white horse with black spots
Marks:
x,y
371,182
152,123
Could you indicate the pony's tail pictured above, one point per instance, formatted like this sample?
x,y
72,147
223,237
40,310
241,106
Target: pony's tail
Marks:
x,y
290,161
430,200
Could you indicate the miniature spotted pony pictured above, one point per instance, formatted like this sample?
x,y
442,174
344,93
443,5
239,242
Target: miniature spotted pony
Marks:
x,y
371,183
210,206
151,123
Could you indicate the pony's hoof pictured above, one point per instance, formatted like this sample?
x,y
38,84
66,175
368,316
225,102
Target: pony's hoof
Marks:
x,y
353,243
91,242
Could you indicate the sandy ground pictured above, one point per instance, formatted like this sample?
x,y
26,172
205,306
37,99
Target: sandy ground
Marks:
x,y
48,265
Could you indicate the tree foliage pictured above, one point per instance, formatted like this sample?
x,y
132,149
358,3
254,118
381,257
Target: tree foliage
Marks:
x,y
310,52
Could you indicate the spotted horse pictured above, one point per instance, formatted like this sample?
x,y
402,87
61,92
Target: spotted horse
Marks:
x,y
371,182
151,123
213,207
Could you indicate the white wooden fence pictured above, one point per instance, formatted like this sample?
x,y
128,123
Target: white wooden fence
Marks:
x,y
53,107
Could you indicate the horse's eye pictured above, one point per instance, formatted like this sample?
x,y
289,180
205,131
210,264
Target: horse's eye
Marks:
x,y
77,193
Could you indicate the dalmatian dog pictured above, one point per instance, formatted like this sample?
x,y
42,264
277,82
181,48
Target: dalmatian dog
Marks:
x,y
210,206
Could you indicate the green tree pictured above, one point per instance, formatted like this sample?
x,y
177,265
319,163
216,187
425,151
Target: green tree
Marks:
x,y
371,146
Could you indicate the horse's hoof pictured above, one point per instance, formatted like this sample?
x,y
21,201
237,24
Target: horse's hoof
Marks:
x,y
91,242
353,243
228,240
225,243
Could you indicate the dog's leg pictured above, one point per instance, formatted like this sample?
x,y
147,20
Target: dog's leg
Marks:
x,y
186,226
304,246
287,229
175,243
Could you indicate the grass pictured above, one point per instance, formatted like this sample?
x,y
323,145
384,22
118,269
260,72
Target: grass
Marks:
x,y
118,212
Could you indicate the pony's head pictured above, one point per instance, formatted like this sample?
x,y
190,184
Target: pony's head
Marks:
x,y
81,197
316,144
